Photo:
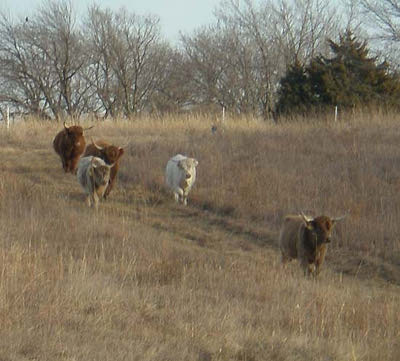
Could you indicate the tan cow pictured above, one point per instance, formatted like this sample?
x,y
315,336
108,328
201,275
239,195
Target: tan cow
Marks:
x,y
93,175
306,239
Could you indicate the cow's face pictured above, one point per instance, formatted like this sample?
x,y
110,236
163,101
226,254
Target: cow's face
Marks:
x,y
321,228
101,174
188,166
110,153
113,153
75,134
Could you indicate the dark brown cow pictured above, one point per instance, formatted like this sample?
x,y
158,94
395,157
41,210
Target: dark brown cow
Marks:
x,y
306,239
69,144
111,154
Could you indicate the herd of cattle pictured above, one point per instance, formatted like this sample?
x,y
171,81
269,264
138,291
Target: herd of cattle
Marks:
x,y
96,165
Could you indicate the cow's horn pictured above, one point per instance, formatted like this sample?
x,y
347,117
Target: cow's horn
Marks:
x,y
65,126
88,128
305,218
341,217
125,146
93,163
97,146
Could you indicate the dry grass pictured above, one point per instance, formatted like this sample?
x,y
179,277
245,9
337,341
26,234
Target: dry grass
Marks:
x,y
145,279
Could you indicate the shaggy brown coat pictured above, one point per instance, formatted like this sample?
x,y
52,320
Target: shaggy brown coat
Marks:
x,y
111,154
306,239
69,144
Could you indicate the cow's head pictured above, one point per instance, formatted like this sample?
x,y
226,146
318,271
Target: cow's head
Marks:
x,y
320,228
100,172
75,133
188,165
110,153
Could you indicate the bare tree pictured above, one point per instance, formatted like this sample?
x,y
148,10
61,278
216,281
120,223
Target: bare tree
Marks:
x,y
41,60
100,29
379,23
174,91
62,44
385,17
22,74
127,59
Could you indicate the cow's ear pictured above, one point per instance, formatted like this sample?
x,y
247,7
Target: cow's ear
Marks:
x,y
195,162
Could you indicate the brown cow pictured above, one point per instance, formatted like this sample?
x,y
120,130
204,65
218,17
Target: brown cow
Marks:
x,y
111,154
69,144
306,239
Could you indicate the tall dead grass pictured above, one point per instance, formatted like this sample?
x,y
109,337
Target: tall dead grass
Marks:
x,y
144,279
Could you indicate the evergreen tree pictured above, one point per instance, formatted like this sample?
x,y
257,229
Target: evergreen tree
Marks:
x,y
350,78
295,91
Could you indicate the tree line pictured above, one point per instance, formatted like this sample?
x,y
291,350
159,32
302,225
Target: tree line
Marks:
x,y
259,58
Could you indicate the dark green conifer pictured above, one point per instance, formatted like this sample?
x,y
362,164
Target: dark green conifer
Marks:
x,y
348,79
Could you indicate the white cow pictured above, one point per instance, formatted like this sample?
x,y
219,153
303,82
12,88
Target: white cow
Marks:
x,y
93,175
180,175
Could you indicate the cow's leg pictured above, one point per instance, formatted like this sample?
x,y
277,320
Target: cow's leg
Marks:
x,y
72,165
96,200
109,187
184,197
311,269
88,200
65,165
285,258
320,260
113,179
306,266
176,196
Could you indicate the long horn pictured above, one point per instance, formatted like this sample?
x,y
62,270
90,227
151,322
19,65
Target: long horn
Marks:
x,y
65,126
88,128
341,217
305,218
97,146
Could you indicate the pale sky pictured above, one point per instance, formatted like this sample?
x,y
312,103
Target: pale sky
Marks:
x,y
175,15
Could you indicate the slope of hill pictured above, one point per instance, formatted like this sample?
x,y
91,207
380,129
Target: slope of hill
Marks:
x,y
146,279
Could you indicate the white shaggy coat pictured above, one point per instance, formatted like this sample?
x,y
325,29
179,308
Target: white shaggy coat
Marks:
x,y
180,176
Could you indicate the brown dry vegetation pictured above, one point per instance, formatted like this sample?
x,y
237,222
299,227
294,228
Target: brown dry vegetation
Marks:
x,y
145,279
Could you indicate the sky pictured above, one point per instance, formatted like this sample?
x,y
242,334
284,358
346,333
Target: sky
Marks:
x,y
175,15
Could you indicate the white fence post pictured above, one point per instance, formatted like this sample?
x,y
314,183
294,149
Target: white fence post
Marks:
x,y
8,117
335,113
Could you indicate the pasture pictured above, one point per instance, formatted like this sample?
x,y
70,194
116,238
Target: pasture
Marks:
x,y
144,278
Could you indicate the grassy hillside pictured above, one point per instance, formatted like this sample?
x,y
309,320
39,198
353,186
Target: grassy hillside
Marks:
x,y
146,279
